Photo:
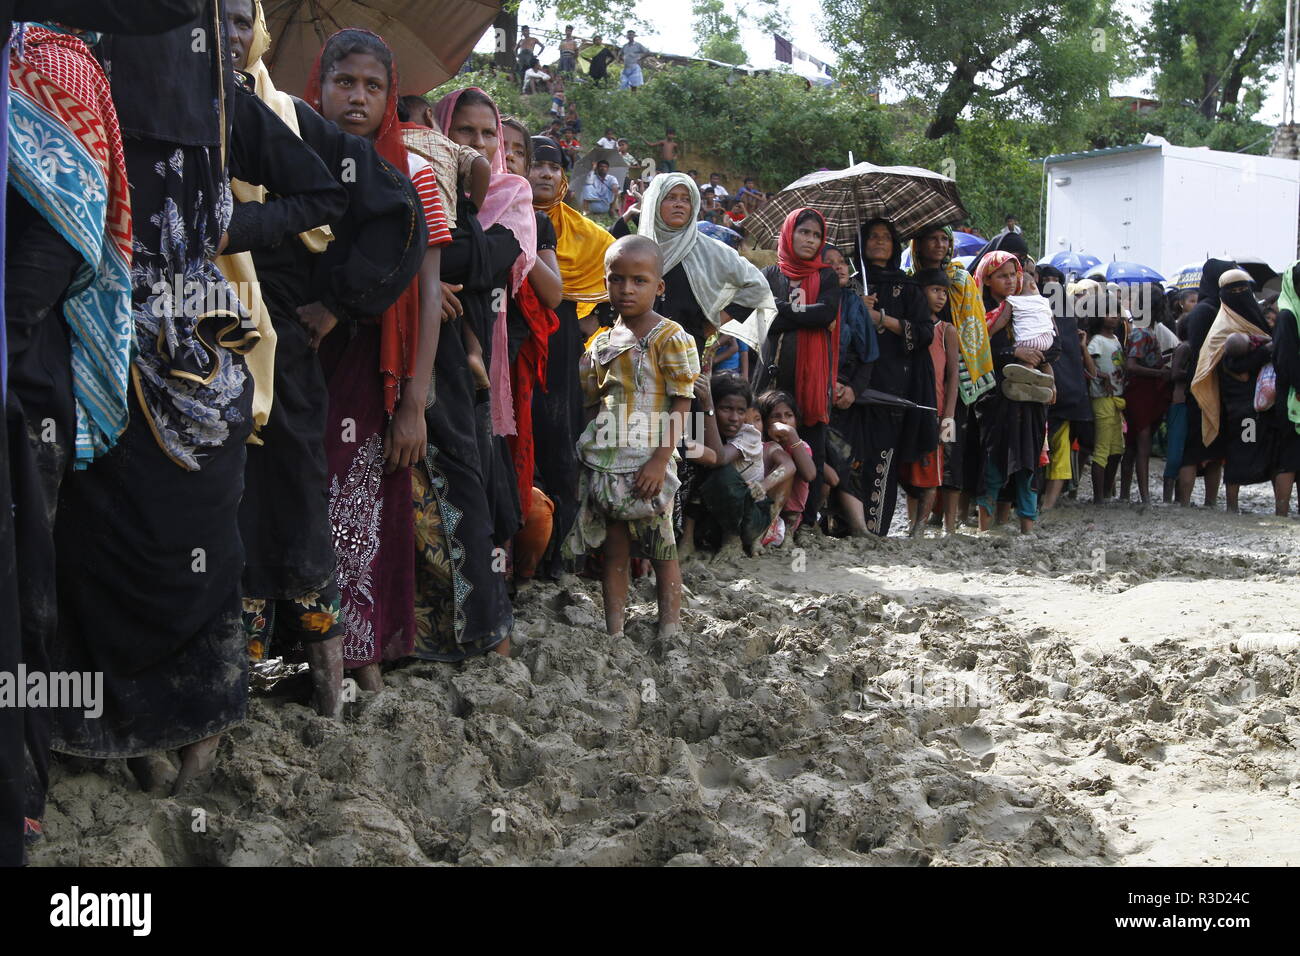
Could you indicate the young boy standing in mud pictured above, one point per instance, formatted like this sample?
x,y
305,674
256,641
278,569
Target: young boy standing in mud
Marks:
x,y
637,381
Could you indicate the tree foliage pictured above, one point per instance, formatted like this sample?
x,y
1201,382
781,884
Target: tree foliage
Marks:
x,y
772,126
717,32
1022,57
1214,55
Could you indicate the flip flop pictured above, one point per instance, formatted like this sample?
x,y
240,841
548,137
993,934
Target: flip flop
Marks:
x,y
1024,375
1020,392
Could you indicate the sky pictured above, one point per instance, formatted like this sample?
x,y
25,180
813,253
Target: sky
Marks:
x,y
804,34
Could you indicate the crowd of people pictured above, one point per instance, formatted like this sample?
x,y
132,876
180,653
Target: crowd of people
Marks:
x,y
333,377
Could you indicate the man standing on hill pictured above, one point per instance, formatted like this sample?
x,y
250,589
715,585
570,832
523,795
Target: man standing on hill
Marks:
x,y
631,55
528,49
568,52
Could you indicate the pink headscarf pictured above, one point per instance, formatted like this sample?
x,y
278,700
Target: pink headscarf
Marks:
x,y
509,203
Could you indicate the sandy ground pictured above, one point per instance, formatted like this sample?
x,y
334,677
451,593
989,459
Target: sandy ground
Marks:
x,y
990,700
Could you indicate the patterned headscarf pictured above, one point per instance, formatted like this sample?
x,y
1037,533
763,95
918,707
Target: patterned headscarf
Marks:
x,y
66,159
966,305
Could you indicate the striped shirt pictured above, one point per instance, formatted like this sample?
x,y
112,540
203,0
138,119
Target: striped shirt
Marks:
x,y
426,184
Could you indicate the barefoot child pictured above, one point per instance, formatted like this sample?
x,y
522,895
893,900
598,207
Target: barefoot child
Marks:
x,y
923,478
637,383
734,496
1107,391
785,451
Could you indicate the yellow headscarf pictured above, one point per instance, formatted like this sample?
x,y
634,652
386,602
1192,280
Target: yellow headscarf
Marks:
x,y
580,246
281,104
239,268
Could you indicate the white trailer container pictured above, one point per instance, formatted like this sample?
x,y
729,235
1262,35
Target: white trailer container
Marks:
x,y
1165,206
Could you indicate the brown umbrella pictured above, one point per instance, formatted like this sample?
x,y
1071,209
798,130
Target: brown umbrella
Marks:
x,y
430,38
908,196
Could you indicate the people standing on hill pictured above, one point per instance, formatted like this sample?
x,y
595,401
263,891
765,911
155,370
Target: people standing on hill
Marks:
x,y
631,54
528,50
598,56
568,52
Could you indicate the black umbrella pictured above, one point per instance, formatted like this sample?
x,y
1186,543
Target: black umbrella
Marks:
x,y
871,396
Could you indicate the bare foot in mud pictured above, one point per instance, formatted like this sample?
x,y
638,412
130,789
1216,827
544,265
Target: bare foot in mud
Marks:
x,y
153,772
670,630
369,677
729,550
325,658
197,761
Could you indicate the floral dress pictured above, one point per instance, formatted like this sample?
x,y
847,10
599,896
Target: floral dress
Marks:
x,y
631,383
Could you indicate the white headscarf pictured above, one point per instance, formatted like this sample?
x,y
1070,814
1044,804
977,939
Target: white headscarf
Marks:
x,y
718,275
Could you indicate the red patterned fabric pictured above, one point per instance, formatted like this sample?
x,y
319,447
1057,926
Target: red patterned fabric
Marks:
x,y
57,69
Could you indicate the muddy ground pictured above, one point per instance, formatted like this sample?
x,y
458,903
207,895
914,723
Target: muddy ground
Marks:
x,y
1119,688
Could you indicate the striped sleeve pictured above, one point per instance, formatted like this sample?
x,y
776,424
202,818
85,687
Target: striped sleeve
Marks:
x,y
426,184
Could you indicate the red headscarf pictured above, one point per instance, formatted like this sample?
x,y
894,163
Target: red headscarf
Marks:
x,y
818,356
400,325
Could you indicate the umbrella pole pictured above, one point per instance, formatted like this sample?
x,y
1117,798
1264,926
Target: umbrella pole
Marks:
x,y
857,239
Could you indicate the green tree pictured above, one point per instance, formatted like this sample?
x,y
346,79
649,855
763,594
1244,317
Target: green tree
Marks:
x,y
774,127
717,32
1214,55
1030,58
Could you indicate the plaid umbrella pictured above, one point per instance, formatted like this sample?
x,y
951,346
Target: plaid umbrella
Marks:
x,y
429,38
911,198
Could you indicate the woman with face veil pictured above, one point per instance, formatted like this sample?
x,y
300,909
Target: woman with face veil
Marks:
x,y
1237,346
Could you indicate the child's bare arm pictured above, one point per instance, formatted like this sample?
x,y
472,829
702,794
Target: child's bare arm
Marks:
x,y
798,452
701,454
719,453
650,479
952,372
779,468
480,175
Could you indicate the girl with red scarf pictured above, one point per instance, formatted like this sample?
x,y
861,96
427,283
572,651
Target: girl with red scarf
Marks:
x,y
801,354
379,376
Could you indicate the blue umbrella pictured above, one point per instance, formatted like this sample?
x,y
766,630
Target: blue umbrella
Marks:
x,y
1076,262
1187,277
965,244
1124,272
